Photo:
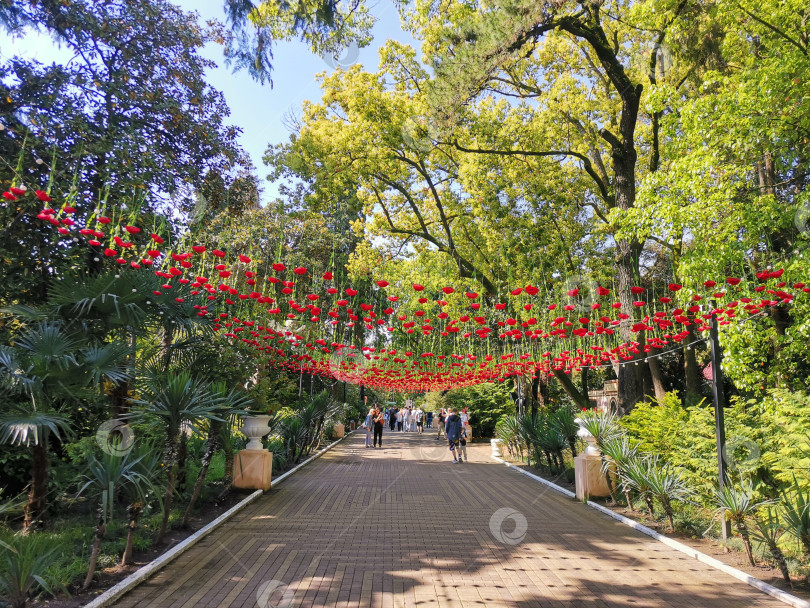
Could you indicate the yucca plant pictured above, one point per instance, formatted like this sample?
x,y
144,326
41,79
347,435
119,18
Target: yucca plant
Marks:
x,y
563,421
24,564
104,478
666,485
508,431
795,511
147,462
619,452
175,400
737,506
637,479
769,531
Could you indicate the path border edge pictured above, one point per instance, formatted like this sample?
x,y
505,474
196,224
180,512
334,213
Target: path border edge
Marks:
x,y
143,573
758,584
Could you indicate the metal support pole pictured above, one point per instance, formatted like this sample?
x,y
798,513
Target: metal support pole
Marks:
x,y
719,403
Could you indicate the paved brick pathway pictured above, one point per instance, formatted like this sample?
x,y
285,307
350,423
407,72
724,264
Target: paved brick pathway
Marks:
x,y
402,527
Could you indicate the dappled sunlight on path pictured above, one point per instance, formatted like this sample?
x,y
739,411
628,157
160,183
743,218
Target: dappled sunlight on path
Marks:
x,y
404,526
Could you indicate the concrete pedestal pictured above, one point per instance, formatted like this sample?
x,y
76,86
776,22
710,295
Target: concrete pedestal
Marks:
x,y
253,470
469,433
340,431
589,479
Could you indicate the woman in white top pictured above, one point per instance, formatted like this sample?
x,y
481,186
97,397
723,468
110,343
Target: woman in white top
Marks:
x,y
406,420
399,420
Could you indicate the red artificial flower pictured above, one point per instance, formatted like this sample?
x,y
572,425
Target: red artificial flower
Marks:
x,y
244,259
218,253
103,220
43,196
18,191
732,281
136,230
300,270
601,291
471,295
351,292
198,248
279,267
500,306
664,300
381,283
637,290
327,276
110,252
574,292
157,239
709,284
448,290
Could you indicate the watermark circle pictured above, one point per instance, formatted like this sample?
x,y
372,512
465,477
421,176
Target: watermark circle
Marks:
x,y
345,58
801,219
511,537
419,133
115,438
741,454
585,293
274,594
437,451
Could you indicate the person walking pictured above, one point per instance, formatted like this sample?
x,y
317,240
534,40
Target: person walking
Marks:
x,y
399,420
367,424
392,418
379,421
429,417
419,415
453,431
442,420
406,419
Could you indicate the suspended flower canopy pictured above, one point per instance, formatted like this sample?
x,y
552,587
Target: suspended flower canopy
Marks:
x,y
412,338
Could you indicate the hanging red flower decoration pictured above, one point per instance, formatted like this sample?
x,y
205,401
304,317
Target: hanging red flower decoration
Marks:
x,y
300,270
103,220
418,287
136,230
43,196
601,291
382,284
471,295
351,292
198,249
732,281
574,292
244,259
709,284
532,290
674,287
448,290
500,306
637,290
327,276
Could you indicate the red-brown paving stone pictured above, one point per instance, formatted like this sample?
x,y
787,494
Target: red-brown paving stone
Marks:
x,y
403,527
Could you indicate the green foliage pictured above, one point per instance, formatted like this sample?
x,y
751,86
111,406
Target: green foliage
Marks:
x,y
24,564
485,403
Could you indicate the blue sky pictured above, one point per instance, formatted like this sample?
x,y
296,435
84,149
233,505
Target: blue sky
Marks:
x,y
257,109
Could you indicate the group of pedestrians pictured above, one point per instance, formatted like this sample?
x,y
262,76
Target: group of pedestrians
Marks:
x,y
412,419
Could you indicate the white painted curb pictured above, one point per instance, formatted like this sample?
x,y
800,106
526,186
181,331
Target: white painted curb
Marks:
x,y
782,596
113,593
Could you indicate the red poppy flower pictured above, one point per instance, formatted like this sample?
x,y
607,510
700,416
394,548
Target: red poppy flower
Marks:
x,y
244,259
69,209
418,287
517,291
94,242
500,306
351,292
43,196
719,294
471,295
616,305
573,293
393,298
218,253
448,290
110,252
732,281
636,289
709,284
136,230
601,291
198,249
332,290
382,283
18,191
157,239
674,287
300,270
477,305
664,300
638,304
312,296
103,220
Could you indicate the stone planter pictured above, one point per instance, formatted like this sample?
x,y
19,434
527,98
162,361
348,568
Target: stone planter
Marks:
x,y
496,447
254,428
339,431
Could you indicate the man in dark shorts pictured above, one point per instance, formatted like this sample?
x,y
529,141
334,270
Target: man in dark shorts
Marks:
x,y
453,430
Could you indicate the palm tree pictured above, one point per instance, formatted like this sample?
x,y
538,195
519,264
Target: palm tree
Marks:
x,y
24,564
175,400
233,404
47,368
104,478
563,422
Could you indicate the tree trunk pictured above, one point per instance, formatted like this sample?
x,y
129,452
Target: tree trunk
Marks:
x,y
211,446
170,461
585,389
540,392
182,458
134,511
578,398
691,372
101,530
37,496
657,378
